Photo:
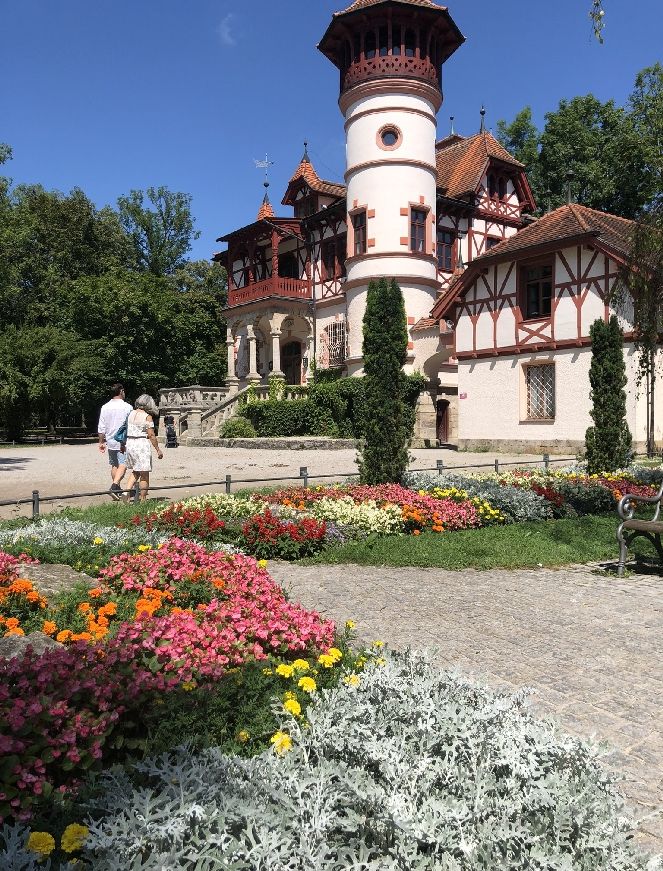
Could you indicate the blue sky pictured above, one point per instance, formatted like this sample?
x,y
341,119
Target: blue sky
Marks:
x,y
110,95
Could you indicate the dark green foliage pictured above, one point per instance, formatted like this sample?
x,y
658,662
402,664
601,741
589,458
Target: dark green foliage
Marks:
x,y
608,442
584,498
384,455
238,428
295,417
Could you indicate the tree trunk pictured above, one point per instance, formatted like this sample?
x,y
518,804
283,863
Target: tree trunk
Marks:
x,y
651,447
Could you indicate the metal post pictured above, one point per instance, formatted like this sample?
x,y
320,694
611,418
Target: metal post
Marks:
x,y
440,467
497,467
546,461
303,473
35,503
137,491
228,483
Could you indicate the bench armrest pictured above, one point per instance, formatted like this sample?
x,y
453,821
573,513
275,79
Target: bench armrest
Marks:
x,y
626,508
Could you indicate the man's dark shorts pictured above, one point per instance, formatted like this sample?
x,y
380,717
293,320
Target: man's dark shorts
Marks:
x,y
117,458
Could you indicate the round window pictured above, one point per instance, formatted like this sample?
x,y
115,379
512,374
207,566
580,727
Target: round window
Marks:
x,y
389,137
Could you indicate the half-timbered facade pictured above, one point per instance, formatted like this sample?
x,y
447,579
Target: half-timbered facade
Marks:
x,y
521,315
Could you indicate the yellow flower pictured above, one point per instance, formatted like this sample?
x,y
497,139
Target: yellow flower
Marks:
x,y
350,624
301,665
262,563
380,661
352,680
282,742
243,736
143,547
42,843
285,670
293,707
326,660
335,653
73,837
189,685
307,684
289,695
378,644
98,540
267,671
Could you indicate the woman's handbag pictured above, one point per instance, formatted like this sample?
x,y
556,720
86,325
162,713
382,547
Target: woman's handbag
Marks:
x,y
121,435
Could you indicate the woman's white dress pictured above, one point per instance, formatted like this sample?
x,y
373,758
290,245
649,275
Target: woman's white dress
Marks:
x,y
139,450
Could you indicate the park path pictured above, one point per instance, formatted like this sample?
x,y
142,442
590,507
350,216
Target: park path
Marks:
x,y
589,645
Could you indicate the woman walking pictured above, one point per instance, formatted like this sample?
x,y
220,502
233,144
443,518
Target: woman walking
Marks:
x,y
140,434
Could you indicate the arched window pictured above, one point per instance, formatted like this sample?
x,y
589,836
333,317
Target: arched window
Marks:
x,y
501,187
383,33
396,40
369,45
410,43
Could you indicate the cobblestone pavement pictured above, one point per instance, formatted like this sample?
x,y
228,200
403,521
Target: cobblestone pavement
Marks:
x,y
590,646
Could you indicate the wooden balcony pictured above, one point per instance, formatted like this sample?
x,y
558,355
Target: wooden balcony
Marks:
x,y
292,288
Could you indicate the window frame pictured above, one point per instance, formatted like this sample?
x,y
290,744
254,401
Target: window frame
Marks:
x,y
450,245
359,232
523,283
329,245
527,369
418,209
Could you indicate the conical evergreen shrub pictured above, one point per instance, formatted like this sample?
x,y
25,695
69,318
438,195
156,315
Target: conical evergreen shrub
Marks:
x,y
608,442
387,431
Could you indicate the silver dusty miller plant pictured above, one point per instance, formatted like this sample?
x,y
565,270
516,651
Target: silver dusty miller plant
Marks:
x,y
412,769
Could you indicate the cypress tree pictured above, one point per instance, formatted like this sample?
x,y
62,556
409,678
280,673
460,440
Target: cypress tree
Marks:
x,y
387,433
608,442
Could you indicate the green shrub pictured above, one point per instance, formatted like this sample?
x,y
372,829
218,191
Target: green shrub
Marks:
x,y
295,417
238,428
586,498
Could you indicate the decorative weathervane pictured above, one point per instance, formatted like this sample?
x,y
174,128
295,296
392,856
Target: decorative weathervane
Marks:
x,y
264,164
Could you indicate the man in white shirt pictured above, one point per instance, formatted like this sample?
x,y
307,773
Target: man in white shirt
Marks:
x,y
113,415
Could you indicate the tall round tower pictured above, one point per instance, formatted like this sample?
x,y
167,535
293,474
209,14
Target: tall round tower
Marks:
x,y
390,55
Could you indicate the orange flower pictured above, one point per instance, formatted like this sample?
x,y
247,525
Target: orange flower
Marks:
x,y
11,622
81,636
416,532
49,627
95,593
64,636
16,631
108,610
21,585
33,596
84,607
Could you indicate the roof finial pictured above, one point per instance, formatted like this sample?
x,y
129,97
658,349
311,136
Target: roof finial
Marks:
x,y
483,120
264,164
570,175
452,131
305,157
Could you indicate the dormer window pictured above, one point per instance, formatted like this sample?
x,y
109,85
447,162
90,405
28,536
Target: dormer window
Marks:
x,y
501,187
446,243
492,187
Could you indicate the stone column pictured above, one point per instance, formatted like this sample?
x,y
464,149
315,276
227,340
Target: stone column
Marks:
x,y
194,429
253,374
276,353
308,352
232,380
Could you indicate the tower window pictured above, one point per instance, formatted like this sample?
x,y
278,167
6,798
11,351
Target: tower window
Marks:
x,y
369,45
329,259
410,43
356,47
492,188
501,187
396,40
389,137
359,227
418,229
446,240
384,41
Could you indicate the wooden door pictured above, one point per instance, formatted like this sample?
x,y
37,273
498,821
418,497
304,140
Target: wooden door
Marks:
x,y
442,421
291,362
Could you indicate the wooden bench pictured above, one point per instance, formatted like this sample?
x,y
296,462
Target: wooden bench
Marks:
x,y
630,528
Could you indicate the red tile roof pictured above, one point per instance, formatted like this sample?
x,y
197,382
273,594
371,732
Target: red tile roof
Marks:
x,y
424,324
306,172
265,210
566,222
461,162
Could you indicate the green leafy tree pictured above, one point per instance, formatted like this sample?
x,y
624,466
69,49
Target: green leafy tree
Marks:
x,y
521,138
161,235
639,293
608,442
201,275
384,454
646,117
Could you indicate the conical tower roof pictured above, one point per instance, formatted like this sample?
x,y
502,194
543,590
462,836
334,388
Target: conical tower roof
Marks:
x,y
265,210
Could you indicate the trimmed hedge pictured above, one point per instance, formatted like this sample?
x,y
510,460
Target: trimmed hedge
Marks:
x,y
238,428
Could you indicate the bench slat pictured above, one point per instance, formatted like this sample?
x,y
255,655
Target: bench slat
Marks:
x,y
655,526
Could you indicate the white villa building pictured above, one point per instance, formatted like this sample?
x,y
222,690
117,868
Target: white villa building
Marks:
x,y
498,304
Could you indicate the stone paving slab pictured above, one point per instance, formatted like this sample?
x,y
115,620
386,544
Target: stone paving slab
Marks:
x,y
590,646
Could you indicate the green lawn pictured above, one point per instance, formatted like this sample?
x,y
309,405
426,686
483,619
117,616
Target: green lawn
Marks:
x,y
548,543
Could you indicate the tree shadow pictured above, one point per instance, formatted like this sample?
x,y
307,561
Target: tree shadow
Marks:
x,y
13,464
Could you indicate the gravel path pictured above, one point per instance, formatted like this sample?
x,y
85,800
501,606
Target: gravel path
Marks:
x,y
590,646
57,470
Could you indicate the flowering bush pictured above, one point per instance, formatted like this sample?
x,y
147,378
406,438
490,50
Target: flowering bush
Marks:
x,y
223,504
184,522
267,536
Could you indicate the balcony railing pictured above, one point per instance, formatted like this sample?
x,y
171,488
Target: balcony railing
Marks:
x,y
290,287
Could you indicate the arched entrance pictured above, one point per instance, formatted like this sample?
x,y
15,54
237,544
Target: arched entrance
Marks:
x,y
291,362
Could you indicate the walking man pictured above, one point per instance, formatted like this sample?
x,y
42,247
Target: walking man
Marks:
x,y
112,416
